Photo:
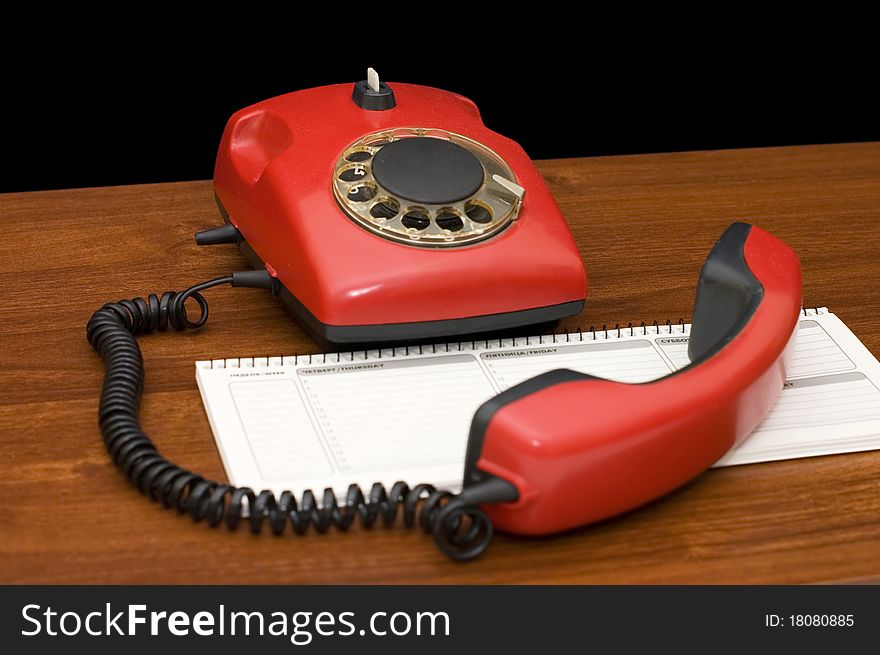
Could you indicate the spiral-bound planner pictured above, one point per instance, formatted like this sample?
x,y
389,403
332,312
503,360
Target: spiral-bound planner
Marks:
x,y
329,420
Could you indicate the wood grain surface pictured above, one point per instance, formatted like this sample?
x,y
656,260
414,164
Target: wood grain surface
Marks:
x,y
643,224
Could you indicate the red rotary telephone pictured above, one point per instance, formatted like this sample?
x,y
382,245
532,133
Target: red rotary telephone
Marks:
x,y
382,215
393,215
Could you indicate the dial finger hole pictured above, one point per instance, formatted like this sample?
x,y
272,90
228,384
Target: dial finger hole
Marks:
x,y
362,192
448,219
478,212
416,218
385,208
352,173
358,155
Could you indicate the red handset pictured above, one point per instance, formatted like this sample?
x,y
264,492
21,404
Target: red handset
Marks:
x,y
565,449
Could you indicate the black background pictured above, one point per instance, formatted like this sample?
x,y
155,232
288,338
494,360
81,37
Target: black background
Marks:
x,y
97,111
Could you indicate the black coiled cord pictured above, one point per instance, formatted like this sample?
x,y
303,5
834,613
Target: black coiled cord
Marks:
x,y
460,530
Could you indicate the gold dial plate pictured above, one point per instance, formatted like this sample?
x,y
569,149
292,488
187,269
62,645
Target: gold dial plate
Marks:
x,y
485,213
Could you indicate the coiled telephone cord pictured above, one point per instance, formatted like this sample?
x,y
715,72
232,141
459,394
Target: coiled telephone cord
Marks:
x,y
460,530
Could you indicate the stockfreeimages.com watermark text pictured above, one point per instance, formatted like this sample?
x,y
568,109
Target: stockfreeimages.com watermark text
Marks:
x,y
299,627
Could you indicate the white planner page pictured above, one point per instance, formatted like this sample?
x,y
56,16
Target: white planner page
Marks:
x,y
830,403
329,420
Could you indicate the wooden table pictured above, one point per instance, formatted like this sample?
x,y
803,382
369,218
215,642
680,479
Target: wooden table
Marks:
x,y
643,224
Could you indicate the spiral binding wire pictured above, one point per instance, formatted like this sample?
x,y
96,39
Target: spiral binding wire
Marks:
x,y
565,335
460,531
577,334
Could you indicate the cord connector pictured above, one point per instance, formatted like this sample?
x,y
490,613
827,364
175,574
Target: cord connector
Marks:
x,y
227,233
256,279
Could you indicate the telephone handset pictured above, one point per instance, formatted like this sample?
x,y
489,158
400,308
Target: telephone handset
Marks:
x,y
374,224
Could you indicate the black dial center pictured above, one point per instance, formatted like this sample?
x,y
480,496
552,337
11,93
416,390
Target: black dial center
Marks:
x,y
428,170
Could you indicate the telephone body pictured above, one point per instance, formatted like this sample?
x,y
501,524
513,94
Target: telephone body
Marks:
x,y
402,223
